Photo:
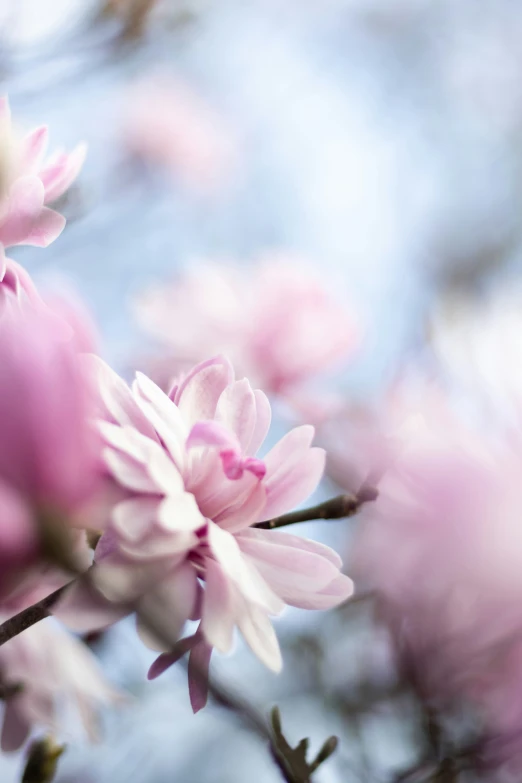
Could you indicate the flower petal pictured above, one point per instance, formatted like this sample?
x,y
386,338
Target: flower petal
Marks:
x,y
164,416
294,483
59,174
117,398
15,728
198,668
262,425
260,636
286,565
198,394
46,228
33,148
245,576
25,204
219,608
82,608
236,410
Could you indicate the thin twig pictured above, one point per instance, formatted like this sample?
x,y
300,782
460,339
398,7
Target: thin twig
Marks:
x,y
28,617
339,507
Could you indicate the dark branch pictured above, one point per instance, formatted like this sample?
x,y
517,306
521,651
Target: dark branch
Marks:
x,y
28,617
339,507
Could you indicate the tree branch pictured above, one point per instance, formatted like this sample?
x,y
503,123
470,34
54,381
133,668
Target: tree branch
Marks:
x,y
28,617
339,507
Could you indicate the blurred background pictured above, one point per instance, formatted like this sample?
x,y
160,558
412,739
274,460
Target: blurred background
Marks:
x,y
380,140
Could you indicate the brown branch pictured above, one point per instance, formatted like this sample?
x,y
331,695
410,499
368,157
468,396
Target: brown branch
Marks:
x,y
28,617
339,507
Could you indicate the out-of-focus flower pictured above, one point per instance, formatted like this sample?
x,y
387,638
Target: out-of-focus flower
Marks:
x,y
478,348
45,673
442,548
49,461
169,126
278,323
25,218
195,488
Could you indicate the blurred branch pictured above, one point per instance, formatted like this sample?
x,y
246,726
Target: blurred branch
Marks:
x,y
28,617
339,507
292,761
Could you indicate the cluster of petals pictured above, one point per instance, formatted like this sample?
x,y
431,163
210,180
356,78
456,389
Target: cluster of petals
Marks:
x,y
49,461
33,184
45,672
276,321
29,185
441,547
181,543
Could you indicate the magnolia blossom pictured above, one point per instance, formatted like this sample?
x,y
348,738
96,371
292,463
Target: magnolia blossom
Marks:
x,y
166,124
49,460
442,548
182,543
46,673
277,322
25,218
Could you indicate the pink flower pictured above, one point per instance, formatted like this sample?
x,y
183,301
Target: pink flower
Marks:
x,y
49,673
169,126
194,489
277,322
25,218
49,455
442,548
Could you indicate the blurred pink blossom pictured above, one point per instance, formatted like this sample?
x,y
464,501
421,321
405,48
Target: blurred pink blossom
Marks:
x,y
168,125
25,218
49,461
51,675
442,547
194,489
278,323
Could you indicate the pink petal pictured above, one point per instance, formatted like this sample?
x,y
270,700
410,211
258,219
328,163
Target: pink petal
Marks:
x,y
294,484
212,433
287,539
236,410
25,204
198,394
245,576
59,176
47,227
33,149
128,472
133,518
117,398
167,607
285,564
198,669
15,729
289,448
262,425
218,618
166,660
163,415
246,512
339,590
180,512
83,609
260,636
